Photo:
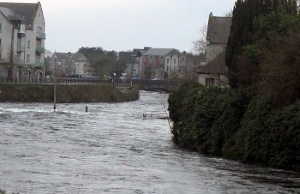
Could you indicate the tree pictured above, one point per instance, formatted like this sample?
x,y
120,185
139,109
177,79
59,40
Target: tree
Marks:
x,y
280,61
148,72
200,44
243,34
104,62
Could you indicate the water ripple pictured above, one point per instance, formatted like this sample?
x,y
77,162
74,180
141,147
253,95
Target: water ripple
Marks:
x,y
115,148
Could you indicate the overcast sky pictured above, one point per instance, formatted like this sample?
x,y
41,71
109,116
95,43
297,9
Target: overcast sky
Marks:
x,y
126,24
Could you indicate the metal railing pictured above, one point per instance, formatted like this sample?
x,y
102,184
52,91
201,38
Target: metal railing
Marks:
x,y
40,49
41,35
21,48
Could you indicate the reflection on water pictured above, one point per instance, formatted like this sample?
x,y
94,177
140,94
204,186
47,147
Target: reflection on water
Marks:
x,y
115,148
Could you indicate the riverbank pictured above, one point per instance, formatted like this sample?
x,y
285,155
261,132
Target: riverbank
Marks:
x,y
236,124
66,93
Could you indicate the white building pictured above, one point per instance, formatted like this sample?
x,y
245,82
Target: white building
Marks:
x,y
22,41
70,65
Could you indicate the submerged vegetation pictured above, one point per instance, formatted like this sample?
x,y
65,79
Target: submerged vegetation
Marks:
x,y
257,119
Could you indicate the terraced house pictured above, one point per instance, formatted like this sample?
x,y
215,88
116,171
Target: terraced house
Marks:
x,y
22,42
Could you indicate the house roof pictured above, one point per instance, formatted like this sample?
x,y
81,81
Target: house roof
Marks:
x,y
62,55
79,57
125,56
159,51
7,12
19,10
74,56
215,66
218,29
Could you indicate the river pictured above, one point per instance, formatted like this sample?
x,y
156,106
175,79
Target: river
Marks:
x,y
115,148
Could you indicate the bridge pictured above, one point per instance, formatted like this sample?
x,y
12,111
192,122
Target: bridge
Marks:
x,y
157,85
144,84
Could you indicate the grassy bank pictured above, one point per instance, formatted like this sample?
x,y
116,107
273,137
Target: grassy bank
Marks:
x,y
236,124
65,93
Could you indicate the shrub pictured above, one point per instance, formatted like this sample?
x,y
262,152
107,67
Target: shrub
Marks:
x,y
236,124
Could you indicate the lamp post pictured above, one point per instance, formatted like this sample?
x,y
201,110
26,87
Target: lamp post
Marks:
x,y
114,81
55,83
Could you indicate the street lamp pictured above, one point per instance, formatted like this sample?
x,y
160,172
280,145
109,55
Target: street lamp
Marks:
x,y
114,77
55,82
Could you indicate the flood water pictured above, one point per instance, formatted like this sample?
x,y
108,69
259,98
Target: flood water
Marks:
x,y
115,148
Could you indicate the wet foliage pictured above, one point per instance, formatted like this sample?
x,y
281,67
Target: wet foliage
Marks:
x,y
236,124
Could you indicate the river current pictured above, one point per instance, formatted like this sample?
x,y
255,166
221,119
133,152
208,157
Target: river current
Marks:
x,y
115,148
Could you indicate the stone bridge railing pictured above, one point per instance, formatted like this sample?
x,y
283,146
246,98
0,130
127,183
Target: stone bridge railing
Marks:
x,y
144,84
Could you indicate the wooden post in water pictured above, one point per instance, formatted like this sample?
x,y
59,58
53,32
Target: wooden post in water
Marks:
x,y
54,93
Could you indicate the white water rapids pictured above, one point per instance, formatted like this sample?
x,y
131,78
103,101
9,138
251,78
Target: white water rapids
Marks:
x,y
115,148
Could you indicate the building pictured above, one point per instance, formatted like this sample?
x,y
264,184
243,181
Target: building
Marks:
x,y
133,62
218,30
214,72
158,62
70,65
189,64
22,42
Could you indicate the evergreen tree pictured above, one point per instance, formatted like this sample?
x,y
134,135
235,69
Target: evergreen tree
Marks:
x,y
241,58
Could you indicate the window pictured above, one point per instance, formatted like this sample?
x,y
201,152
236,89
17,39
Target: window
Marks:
x,y
0,42
209,82
167,60
174,61
27,58
28,44
0,27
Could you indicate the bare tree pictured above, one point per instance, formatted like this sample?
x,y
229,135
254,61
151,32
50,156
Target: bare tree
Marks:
x,y
200,44
228,14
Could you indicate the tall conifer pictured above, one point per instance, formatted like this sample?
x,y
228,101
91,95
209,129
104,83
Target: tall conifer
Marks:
x,y
242,31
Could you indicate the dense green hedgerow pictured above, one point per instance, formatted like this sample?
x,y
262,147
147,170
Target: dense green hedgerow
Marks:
x,y
235,124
